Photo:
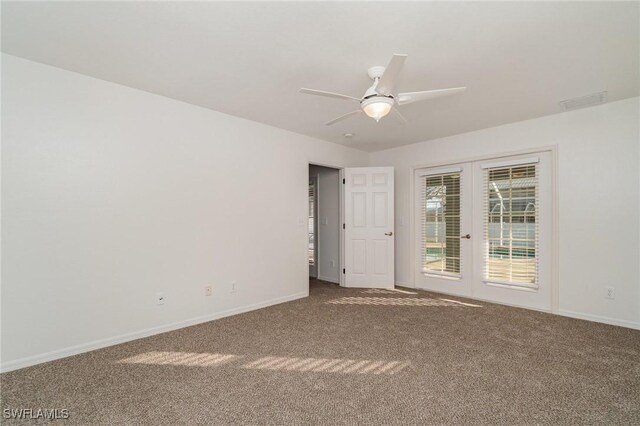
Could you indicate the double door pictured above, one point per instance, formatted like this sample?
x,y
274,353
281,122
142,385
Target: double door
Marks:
x,y
484,230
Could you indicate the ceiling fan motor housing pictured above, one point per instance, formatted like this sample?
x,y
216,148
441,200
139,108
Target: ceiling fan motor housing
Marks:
x,y
376,72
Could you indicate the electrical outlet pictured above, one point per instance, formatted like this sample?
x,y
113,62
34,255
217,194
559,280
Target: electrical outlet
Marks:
x,y
160,298
208,290
234,286
609,292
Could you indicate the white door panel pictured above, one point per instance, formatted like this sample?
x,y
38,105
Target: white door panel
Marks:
x,y
444,203
538,296
368,233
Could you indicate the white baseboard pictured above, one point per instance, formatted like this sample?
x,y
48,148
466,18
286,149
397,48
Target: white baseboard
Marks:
x,y
110,341
572,314
598,318
330,280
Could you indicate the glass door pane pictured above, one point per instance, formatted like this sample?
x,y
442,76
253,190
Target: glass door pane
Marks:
x,y
441,224
511,225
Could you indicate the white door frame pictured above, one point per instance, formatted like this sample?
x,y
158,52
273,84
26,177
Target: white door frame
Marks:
x,y
340,170
555,236
342,256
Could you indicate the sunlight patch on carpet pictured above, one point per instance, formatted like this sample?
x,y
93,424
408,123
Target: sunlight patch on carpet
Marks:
x,y
395,301
327,365
272,363
189,359
387,291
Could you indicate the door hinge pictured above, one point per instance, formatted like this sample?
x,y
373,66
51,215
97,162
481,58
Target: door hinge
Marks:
x,y
344,271
343,226
344,181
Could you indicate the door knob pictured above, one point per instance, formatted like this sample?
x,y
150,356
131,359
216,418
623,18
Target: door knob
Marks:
x,y
388,234
468,236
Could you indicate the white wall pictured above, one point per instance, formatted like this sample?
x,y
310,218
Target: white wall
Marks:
x,y
328,222
599,188
111,194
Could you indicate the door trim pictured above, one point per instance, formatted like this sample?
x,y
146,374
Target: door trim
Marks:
x,y
555,231
342,222
340,170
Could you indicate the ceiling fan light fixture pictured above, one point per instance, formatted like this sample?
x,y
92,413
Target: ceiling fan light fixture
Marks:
x,y
381,99
377,107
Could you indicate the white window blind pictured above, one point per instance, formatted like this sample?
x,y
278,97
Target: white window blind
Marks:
x,y
440,219
511,223
439,171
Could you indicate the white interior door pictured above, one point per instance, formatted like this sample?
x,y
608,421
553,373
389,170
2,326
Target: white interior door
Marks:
x,y
444,247
369,227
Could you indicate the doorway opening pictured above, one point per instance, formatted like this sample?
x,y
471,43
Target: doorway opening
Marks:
x,y
324,225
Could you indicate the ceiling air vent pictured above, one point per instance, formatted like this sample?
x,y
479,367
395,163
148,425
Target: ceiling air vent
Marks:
x,y
584,101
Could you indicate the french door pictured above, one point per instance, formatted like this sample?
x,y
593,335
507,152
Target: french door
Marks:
x,y
444,220
484,230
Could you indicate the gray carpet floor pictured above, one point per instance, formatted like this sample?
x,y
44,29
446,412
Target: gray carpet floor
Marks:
x,y
352,356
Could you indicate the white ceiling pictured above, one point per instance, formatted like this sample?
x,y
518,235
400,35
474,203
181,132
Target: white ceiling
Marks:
x,y
517,59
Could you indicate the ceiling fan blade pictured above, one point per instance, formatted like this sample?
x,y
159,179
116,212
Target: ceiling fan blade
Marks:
x,y
342,117
399,116
328,94
410,97
387,82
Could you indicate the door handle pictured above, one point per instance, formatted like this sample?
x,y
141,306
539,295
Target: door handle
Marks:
x,y
468,236
388,234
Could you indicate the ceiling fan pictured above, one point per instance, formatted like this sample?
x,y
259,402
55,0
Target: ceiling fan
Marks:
x,y
379,100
